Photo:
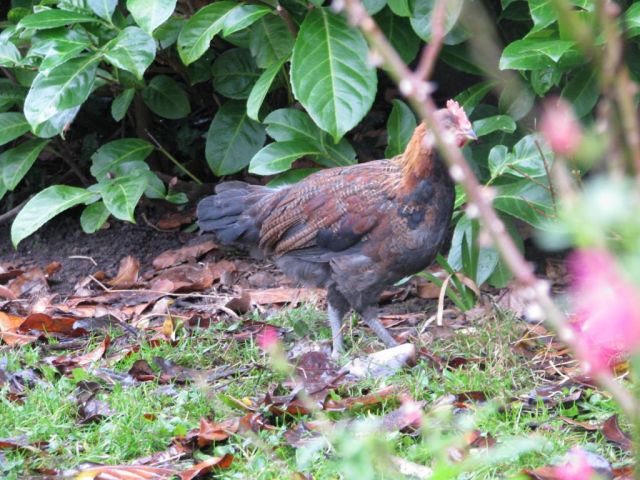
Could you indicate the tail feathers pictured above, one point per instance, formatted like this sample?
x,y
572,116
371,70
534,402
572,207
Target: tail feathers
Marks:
x,y
228,213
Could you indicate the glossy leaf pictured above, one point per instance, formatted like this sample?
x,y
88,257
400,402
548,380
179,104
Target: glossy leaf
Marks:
x,y
66,86
421,17
166,98
118,152
632,20
242,17
543,13
132,50
233,139
582,91
399,32
199,30
485,126
150,14
532,54
121,104
234,73
330,73
16,162
9,55
10,93
103,8
525,200
93,217
44,206
270,40
290,177
374,6
122,194
167,33
12,125
277,157
54,19
400,127
261,88
527,159
472,96
57,124
401,7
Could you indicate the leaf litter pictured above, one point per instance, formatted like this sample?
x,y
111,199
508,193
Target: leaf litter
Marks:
x,y
105,319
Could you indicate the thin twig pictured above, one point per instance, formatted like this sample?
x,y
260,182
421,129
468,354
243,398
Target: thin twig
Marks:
x,y
286,16
173,159
5,217
432,50
548,172
533,290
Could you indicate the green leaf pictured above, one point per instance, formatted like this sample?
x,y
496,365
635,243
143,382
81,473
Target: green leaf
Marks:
x,y
197,33
400,127
399,33
502,123
44,206
290,124
421,17
103,8
374,6
58,46
533,54
242,17
330,73
155,187
277,157
458,57
525,200
3,189
290,177
499,160
121,195
582,91
116,153
150,14
632,20
167,33
234,73
527,158
132,50
233,139
93,217
56,124
400,7
121,103
165,97
270,40
9,55
543,13
66,86
261,88
16,162
10,93
54,19
472,96
12,125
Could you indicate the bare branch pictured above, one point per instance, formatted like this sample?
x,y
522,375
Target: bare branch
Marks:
x,y
432,50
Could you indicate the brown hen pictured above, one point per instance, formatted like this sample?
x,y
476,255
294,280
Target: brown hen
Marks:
x,y
352,230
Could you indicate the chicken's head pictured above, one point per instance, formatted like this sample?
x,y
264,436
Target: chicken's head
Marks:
x,y
456,124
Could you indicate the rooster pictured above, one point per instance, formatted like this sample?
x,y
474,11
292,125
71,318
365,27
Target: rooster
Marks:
x,y
352,230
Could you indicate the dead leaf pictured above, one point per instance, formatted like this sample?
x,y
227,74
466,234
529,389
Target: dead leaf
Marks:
x,y
183,277
206,466
175,220
9,323
427,290
241,304
48,324
369,399
285,295
65,362
612,432
16,339
7,293
127,275
122,472
31,282
174,257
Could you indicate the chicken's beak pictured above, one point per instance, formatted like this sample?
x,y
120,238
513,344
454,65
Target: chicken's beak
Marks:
x,y
470,135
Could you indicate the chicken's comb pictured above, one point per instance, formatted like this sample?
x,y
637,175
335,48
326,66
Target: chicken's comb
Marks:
x,y
458,112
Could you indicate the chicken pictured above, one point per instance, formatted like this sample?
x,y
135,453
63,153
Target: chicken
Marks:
x,y
352,230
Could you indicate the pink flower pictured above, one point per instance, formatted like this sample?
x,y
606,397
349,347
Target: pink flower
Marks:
x,y
560,127
268,338
576,468
607,309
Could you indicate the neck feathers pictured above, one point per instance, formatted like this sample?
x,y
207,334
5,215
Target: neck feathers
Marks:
x,y
417,161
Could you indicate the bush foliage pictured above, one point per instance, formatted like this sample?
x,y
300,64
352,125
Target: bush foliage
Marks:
x,y
274,82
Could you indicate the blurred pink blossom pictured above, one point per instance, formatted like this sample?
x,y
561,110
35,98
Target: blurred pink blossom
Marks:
x,y
576,468
560,127
268,338
607,310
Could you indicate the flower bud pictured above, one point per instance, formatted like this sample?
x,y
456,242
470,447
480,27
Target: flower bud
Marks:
x,y
560,127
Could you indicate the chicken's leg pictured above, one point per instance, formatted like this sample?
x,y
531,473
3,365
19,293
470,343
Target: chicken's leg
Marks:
x,y
337,309
370,317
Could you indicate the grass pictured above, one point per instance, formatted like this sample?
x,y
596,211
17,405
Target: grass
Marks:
x,y
147,415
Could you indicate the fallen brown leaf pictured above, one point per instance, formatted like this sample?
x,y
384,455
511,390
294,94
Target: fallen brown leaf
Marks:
x,y
65,361
285,295
123,472
171,258
127,275
206,466
49,324
612,432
